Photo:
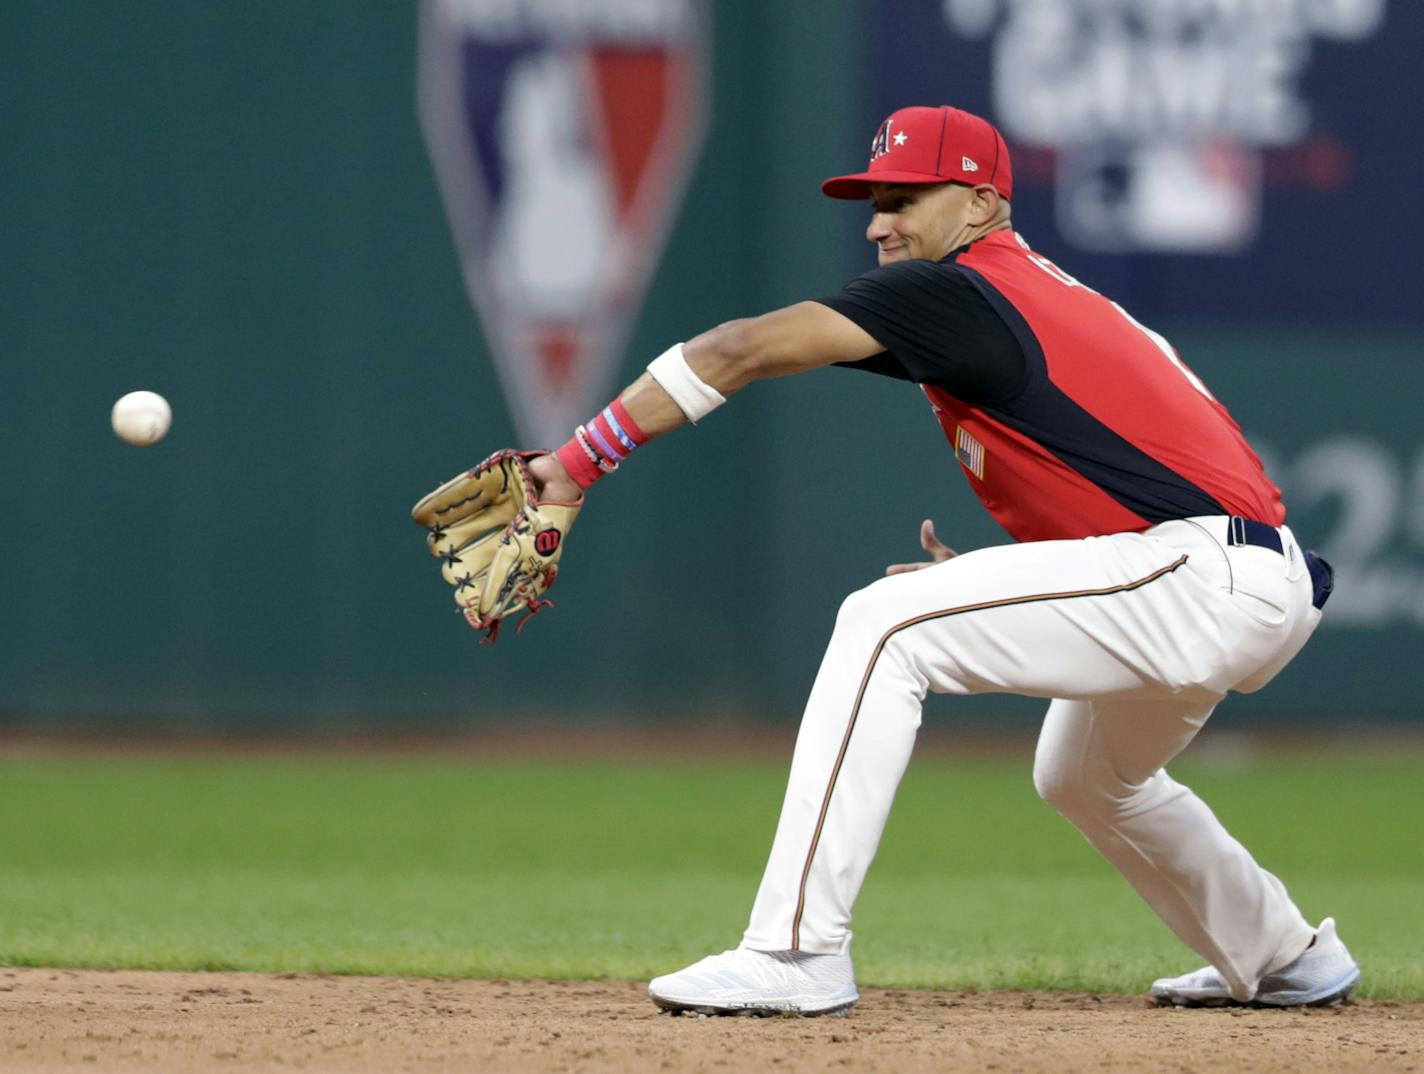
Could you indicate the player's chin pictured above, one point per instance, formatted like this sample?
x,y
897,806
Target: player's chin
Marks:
x,y
893,254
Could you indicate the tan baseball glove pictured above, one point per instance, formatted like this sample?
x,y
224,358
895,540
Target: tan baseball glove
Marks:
x,y
500,545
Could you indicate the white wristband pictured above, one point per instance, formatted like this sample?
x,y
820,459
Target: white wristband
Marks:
x,y
693,396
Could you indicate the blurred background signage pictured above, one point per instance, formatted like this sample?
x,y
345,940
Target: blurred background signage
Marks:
x,y
1160,112
1149,135
563,135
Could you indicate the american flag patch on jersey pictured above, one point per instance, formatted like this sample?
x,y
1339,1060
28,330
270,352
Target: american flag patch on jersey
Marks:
x,y
969,452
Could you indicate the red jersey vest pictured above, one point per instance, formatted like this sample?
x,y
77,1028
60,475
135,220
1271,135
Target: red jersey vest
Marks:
x,y
1112,433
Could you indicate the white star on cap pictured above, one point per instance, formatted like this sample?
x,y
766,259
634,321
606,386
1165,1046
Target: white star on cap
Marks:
x,y
901,137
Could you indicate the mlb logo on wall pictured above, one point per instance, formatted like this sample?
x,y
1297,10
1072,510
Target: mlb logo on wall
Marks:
x,y
563,135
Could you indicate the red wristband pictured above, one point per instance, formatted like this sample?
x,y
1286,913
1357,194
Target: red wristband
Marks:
x,y
598,447
581,468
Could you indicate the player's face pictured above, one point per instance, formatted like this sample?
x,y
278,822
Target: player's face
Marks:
x,y
919,221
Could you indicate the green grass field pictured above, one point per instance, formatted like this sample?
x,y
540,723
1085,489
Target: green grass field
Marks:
x,y
625,870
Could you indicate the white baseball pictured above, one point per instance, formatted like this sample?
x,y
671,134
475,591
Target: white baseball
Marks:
x,y
142,418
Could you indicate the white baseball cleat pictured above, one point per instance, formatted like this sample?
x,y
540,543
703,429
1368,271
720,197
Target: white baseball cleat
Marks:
x,y
1324,976
750,982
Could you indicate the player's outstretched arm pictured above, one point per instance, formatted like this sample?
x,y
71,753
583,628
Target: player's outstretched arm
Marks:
x,y
693,378
499,528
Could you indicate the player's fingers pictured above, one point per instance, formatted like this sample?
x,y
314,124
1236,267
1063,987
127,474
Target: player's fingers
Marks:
x,y
938,550
928,540
903,568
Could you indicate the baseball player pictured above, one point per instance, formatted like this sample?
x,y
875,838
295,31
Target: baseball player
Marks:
x,y
1151,574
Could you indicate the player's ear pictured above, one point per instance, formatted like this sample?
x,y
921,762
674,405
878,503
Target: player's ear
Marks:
x,y
983,205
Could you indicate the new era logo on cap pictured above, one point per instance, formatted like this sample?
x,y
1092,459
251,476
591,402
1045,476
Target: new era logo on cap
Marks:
x,y
931,145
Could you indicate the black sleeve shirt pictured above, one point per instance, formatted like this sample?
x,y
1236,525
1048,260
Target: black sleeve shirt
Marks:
x,y
936,327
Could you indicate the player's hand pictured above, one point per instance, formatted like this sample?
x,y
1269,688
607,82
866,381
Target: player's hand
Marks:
x,y
938,551
552,481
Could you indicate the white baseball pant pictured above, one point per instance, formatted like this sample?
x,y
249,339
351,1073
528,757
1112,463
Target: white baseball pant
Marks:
x,y
1136,637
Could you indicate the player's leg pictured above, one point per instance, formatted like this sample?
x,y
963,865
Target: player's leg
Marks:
x,y
1100,763
1083,617
1016,617
1141,615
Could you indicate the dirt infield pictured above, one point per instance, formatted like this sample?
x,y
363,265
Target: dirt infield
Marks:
x,y
69,1020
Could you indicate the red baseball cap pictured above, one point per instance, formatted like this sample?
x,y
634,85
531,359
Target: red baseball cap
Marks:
x,y
931,145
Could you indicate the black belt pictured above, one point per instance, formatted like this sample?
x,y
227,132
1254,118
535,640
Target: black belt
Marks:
x,y
1241,531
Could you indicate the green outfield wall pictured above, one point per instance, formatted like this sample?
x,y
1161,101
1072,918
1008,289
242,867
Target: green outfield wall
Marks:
x,y
233,205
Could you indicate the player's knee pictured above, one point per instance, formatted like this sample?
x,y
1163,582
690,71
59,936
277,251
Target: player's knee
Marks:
x,y
1083,794
1054,782
866,624
1068,788
864,612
